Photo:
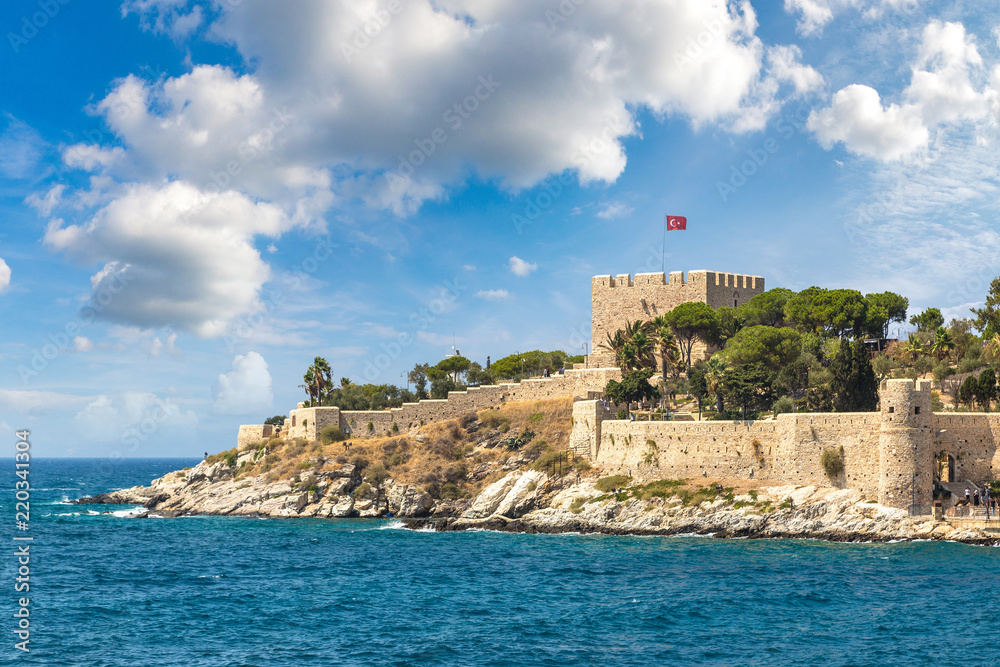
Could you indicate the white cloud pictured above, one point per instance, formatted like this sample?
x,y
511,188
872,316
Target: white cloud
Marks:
x,y
939,97
493,295
521,268
21,149
83,344
173,255
45,204
246,389
4,275
464,68
857,118
36,402
130,419
816,14
613,210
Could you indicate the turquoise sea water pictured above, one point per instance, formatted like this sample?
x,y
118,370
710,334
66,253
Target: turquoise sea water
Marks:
x,y
110,590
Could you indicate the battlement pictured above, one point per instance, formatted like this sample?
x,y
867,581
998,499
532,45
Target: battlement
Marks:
x,y
677,278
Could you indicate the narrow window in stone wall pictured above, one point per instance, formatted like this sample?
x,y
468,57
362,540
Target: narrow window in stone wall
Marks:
x,y
916,410
293,421
891,410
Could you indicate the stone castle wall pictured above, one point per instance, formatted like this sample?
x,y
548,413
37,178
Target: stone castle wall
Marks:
x,y
578,382
252,434
890,456
621,299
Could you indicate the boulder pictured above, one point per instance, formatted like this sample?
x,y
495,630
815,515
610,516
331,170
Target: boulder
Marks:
x,y
490,498
522,495
411,501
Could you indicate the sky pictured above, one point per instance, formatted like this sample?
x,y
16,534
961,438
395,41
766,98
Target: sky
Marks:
x,y
198,198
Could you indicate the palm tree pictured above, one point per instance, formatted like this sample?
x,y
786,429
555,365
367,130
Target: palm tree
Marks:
x,y
318,379
715,376
632,346
942,344
670,351
914,347
310,384
991,348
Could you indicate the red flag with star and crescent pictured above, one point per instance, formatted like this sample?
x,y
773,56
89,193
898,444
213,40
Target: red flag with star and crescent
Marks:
x,y
676,222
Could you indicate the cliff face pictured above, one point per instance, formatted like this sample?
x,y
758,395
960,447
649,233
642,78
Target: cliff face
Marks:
x,y
533,502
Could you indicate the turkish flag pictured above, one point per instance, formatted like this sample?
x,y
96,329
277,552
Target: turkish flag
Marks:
x,y
676,222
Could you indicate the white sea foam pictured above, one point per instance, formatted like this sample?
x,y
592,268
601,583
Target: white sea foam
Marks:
x,y
392,525
132,511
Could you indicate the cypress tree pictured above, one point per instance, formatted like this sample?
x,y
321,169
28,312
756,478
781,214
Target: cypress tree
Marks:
x,y
854,384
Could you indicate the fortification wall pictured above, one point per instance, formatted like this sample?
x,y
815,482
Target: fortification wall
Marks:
x,y
782,451
251,434
620,299
309,422
972,439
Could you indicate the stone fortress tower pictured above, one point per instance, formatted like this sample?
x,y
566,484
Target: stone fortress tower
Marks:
x,y
620,299
905,444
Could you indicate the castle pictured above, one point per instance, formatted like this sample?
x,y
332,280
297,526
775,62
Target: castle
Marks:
x,y
616,300
894,456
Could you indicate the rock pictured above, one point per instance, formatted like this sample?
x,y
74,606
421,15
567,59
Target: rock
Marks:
x,y
409,501
490,498
521,498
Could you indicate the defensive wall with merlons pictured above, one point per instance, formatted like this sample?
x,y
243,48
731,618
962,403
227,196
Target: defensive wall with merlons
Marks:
x,y
892,456
309,422
617,300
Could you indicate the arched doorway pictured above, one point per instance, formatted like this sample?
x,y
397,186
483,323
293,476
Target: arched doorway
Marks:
x,y
946,467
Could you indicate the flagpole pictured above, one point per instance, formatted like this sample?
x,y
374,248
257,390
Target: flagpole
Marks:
x,y
663,251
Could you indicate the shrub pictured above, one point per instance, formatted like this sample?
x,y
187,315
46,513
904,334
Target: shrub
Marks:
x,y
582,465
468,419
621,415
537,417
576,506
332,434
360,462
362,490
451,492
377,474
518,441
832,462
783,405
536,449
395,427
549,460
606,484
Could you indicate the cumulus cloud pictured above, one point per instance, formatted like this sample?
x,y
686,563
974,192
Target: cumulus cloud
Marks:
x,y
940,95
4,275
82,344
246,388
21,149
858,119
173,255
466,70
493,294
815,14
519,267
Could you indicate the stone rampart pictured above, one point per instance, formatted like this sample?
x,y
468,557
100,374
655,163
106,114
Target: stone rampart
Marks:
x,y
309,422
251,434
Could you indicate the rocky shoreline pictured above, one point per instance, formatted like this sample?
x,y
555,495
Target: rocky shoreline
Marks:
x,y
527,501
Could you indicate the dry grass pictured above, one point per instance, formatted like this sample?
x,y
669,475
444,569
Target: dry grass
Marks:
x,y
440,463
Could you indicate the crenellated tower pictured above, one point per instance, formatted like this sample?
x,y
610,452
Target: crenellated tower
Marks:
x,y
906,457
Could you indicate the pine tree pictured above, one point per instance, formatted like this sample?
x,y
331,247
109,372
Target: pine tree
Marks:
x,y
854,384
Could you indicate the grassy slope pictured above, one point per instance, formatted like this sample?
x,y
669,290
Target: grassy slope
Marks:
x,y
440,463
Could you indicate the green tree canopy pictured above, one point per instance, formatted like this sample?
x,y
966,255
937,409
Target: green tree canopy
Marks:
x,y
767,308
770,346
853,381
883,309
693,321
634,388
833,312
986,388
751,387
929,320
988,317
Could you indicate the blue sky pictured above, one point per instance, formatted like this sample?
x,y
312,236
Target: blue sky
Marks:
x,y
200,197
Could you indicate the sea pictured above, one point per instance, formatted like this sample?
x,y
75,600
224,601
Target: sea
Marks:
x,y
107,588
